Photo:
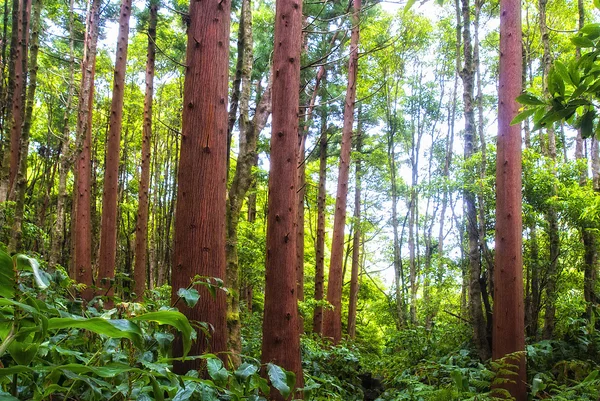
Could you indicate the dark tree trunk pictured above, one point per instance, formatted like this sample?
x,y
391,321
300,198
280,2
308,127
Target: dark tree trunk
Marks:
x,y
357,235
108,234
141,237
281,337
82,231
332,319
201,202
320,240
21,183
508,329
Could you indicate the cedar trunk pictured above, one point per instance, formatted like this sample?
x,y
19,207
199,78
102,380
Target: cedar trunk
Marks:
x,y
21,183
141,237
332,319
508,328
82,232
281,337
108,233
200,213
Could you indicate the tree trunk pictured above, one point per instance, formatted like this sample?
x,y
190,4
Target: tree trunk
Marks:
x,y
357,235
141,237
242,179
21,183
320,241
551,214
201,201
332,322
281,337
108,234
467,75
82,224
508,329
17,92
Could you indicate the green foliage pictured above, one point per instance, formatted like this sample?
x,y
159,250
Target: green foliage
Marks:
x,y
52,347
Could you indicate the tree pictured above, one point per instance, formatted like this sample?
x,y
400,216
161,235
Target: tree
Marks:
x,y
82,227
281,337
108,234
141,237
508,328
200,213
332,319
357,236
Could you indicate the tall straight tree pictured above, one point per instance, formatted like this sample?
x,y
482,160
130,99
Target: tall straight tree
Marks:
x,y
20,186
82,228
108,231
357,235
332,319
281,336
141,236
200,212
321,200
509,313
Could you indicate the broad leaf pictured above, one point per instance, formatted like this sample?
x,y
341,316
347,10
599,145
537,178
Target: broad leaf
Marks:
x,y
114,328
190,296
281,379
216,370
7,276
25,263
171,318
529,99
245,370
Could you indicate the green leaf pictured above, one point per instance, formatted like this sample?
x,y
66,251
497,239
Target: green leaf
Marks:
x,y
522,116
114,328
529,100
409,5
592,31
281,379
190,296
245,371
156,390
587,124
591,377
7,276
25,263
216,370
597,4
172,318
562,71
556,83
582,42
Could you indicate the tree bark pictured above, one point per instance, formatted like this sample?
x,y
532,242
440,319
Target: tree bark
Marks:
x,y
357,236
108,234
281,337
467,74
141,237
508,329
332,319
21,183
320,240
82,222
551,214
201,201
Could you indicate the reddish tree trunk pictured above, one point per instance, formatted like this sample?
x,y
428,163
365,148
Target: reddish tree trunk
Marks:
x,y
108,233
200,213
141,237
508,328
82,232
281,337
332,323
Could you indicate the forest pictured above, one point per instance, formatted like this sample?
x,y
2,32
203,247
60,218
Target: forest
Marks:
x,y
299,200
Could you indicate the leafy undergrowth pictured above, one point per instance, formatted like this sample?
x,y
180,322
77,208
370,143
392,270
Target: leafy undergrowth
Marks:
x,y
54,349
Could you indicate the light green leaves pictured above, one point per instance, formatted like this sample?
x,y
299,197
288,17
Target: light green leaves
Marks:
x,y
281,379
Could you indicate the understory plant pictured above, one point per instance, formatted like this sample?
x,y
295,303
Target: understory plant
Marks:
x,y
53,347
